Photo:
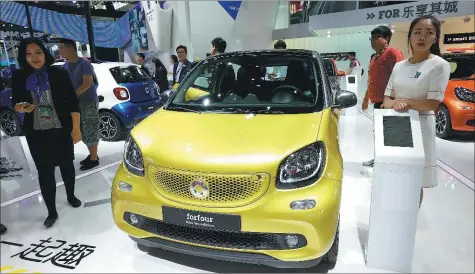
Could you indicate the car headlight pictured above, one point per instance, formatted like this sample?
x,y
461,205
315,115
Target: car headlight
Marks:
x,y
133,159
465,95
302,167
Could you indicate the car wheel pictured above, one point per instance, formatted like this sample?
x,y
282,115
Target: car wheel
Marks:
x,y
443,124
110,128
332,254
9,123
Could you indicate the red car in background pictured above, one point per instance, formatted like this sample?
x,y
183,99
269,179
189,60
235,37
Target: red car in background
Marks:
x,y
457,111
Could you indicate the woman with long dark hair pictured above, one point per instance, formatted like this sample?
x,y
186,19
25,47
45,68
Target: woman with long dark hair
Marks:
x,y
51,123
419,83
161,75
173,60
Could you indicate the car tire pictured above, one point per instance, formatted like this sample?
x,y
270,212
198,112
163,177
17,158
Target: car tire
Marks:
x,y
443,124
110,128
332,254
9,123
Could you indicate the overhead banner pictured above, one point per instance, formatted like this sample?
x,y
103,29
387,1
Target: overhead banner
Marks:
x,y
231,7
108,34
389,14
413,10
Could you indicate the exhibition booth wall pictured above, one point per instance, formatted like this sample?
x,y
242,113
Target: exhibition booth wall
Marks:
x,y
356,39
244,25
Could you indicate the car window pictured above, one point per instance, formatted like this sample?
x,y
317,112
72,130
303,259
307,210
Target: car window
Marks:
x,y
276,73
461,66
245,82
129,74
328,65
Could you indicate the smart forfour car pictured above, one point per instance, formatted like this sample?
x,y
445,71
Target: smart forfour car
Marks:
x,y
239,167
456,112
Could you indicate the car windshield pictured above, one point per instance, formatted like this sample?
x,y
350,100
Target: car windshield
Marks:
x,y
462,66
258,83
129,74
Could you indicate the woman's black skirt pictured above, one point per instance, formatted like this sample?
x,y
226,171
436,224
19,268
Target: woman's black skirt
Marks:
x,y
50,147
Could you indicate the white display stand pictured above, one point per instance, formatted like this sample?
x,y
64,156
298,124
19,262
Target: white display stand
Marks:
x,y
397,180
351,82
13,156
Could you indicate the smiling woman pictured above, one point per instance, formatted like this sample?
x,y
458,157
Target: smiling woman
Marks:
x,y
51,122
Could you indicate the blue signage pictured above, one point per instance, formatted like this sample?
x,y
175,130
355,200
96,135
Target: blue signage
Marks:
x,y
108,34
231,7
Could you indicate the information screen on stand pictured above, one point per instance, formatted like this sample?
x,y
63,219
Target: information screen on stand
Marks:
x,y
397,131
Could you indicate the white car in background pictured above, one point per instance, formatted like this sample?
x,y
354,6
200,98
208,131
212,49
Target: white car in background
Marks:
x,y
126,94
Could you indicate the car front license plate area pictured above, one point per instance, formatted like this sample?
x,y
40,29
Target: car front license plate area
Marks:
x,y
203,220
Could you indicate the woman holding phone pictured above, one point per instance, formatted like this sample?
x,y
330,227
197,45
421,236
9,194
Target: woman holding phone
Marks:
x,y
419,83
51,123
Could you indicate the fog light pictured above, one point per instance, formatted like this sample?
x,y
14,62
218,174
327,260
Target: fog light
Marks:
x,y
291,241
303,204
125,186
133,219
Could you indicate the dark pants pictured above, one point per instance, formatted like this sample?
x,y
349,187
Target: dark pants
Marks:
x,y
48,183
378,105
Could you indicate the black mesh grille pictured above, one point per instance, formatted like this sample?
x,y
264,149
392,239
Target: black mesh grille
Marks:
x,y
223,239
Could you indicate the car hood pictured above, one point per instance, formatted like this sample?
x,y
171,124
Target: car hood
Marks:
x,y
468,84
212,142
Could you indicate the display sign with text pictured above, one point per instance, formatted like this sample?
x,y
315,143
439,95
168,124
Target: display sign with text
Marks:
x,y
414,10
459,38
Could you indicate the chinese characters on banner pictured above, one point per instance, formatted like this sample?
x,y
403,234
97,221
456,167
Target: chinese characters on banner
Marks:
x,y
56,252
415,10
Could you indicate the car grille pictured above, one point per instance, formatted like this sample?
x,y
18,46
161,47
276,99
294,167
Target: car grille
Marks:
x,y
213,238
225,190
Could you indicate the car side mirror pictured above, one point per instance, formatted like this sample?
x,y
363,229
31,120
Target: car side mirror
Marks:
x,y
341,73
345,99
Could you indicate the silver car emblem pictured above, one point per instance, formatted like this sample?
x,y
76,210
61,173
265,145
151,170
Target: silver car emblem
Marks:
x,y
199,189
147,90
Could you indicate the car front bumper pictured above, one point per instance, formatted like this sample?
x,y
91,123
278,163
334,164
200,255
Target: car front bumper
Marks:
x,y
264,224
462,116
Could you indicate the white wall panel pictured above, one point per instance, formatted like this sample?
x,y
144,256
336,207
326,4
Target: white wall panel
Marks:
x,y
208,20
253,26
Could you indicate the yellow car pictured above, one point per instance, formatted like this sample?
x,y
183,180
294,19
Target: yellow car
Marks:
x,y
239,166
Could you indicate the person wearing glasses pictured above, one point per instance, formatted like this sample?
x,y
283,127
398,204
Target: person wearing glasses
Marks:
x,y
181,68
380,69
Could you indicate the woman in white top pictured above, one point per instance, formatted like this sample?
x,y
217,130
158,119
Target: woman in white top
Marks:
x,y
419,83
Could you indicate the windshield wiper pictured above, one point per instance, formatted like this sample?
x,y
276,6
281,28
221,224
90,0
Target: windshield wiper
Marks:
x,y
183,109
248,111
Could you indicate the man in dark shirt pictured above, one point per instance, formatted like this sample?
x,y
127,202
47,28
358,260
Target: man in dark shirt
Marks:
x,y
183,66
145,66
83,78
